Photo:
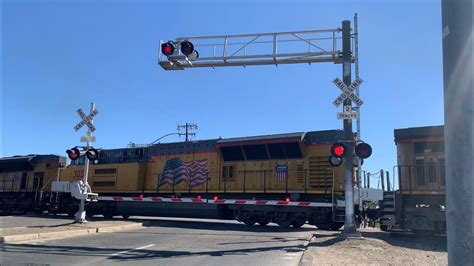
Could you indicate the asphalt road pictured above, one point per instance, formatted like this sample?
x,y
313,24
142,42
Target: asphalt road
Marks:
x,y
171,241
33,220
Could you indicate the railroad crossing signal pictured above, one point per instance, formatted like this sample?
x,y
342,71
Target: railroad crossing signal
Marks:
x,y
347,92
91,153
363,150
86,120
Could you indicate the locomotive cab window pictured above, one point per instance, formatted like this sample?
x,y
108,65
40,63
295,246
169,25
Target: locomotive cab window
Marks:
x,y
431,167
227,172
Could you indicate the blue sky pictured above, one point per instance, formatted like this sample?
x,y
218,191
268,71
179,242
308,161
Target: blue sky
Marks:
x,y
58,56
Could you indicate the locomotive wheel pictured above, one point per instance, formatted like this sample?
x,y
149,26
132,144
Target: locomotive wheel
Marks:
x,y
71,213
284,223
297,224
324,225
108,213
247,217
250,221
336,226
283,219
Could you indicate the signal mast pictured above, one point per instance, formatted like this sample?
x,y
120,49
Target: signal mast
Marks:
x,y
311,46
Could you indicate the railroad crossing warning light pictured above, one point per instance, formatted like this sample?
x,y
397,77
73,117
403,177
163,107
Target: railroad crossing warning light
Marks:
x,y
363,150
167,48
338,150
335,161
187,48
92,154
73,154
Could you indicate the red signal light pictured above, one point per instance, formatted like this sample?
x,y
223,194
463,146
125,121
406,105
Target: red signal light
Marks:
x,y
216,198
73,153
187,48
198,197
338,150
363,150
167,48
287,199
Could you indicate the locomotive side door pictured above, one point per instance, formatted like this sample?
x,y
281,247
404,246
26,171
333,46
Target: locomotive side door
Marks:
x,y
432,176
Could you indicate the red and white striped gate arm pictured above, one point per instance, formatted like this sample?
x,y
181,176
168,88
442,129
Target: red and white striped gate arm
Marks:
x,y
219,201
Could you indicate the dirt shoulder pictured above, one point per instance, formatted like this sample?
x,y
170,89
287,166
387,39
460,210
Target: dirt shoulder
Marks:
x,y
375,247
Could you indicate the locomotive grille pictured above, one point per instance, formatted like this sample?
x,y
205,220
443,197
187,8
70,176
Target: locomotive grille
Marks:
x,y
320,173
299,174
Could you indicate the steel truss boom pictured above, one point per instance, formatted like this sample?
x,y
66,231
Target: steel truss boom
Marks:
x,y
291,47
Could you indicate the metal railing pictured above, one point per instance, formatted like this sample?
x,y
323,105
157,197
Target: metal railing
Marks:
x,y
275,48
262,179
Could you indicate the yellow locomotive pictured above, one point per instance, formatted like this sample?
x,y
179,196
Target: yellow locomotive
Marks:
x,y
275,164
24,179
419,203
266,171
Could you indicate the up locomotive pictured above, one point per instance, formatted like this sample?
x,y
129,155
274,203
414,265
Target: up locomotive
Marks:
x,y
283,178
419,203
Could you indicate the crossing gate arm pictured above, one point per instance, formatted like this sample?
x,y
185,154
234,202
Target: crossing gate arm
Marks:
x,y
220,201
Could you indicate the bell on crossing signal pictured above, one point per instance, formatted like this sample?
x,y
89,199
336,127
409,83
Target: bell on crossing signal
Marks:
x,y
92,154
363,150
194,55
73,154
355,161
167,48
335,161
187,48
338,150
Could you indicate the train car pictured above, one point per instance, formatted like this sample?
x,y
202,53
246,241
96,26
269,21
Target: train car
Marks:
x,y
284,178
419,203
24,179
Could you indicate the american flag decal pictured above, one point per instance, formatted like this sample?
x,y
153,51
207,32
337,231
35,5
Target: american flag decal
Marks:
x,y
281,173
175,171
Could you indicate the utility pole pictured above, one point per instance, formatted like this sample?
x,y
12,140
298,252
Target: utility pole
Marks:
x,y
457,22
187,128
349,225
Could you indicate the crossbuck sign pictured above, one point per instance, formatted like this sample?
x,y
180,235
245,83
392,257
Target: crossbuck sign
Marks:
x,y
348,92
86,120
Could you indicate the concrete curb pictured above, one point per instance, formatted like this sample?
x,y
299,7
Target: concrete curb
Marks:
x,y
69,233
305,258
110,229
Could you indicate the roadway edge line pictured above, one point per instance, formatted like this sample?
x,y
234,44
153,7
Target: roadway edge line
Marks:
x,y
69,233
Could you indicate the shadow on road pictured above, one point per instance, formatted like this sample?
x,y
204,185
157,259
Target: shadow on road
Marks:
x,y
221,226
119,254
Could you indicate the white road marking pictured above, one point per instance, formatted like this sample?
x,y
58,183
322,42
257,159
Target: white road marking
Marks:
x,y
126,251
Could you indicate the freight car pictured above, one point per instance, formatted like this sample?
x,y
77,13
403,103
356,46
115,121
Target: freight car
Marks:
x,y
284,178
419,203
23,179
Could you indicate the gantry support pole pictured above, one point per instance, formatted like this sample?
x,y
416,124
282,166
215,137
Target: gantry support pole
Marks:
x,y
349,225
457,32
